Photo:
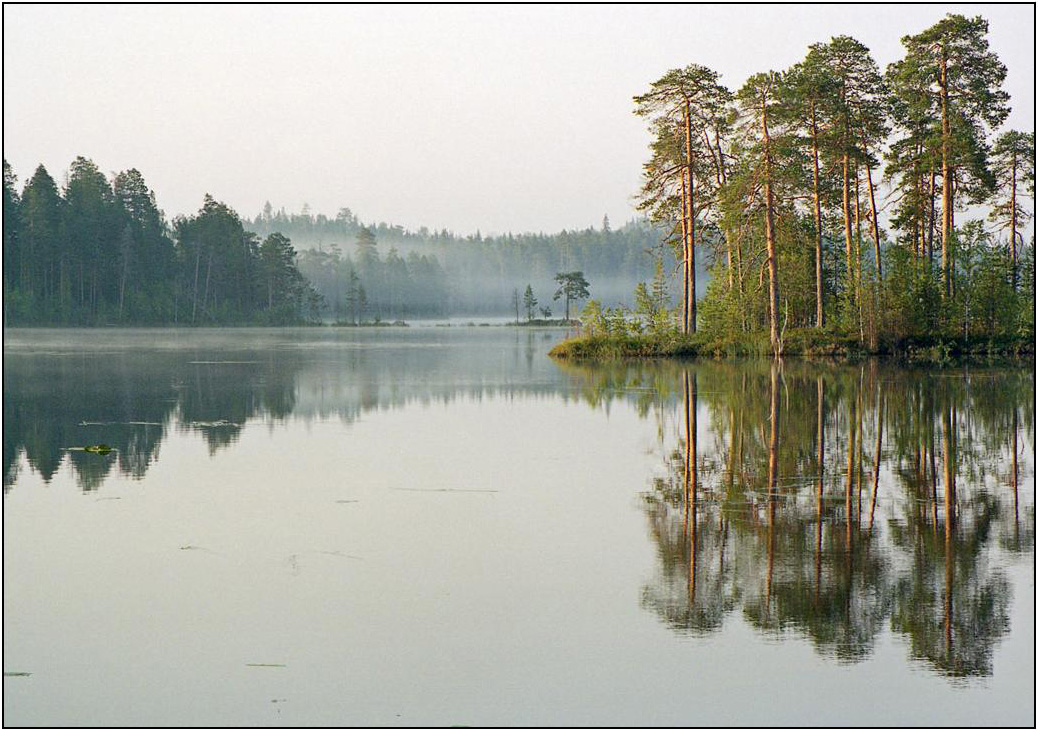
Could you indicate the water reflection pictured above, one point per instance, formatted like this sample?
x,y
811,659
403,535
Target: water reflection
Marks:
x,y
131,395
833,502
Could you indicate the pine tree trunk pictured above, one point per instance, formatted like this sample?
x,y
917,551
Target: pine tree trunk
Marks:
x,y
722,175
920,215
947,193
875,222
933,214
820,313
684,253
848,236
691,303
769,231
857,253
1012,222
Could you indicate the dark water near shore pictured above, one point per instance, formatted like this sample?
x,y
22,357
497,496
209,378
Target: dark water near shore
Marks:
x,y
443,526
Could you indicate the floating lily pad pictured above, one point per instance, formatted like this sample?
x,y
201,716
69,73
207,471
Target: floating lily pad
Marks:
x,y
102,449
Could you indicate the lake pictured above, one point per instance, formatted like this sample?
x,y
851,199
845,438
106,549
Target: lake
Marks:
x,y
443,526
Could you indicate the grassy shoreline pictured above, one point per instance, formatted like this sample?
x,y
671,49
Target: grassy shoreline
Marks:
x,y
808,343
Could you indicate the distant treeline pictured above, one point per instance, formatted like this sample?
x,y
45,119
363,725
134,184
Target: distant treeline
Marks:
x,y
101,252
433,273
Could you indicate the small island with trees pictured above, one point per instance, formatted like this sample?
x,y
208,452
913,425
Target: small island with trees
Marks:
x,y
778,186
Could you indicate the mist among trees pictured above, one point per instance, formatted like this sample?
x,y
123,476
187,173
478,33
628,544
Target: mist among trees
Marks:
x,y
100,251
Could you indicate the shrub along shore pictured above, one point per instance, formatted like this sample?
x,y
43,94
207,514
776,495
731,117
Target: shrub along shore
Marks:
x,y
805,342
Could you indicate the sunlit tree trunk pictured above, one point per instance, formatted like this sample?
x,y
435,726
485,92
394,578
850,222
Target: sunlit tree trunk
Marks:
x,y
691,230
769,231
856,268
848,236
684,253
947,197
820,312
932,218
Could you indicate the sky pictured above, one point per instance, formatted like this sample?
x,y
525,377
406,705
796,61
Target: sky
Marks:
x,y
490,118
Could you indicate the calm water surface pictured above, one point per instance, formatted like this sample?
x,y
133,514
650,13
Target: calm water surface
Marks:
x,y
442,526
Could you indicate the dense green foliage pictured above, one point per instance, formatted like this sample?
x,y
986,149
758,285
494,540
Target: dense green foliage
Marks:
x,y
102,253
782,184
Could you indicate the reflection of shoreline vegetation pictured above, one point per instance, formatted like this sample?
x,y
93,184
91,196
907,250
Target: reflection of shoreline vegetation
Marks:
x,y
836,502
134,399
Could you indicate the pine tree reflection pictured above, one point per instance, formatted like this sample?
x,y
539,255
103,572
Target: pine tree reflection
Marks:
x,y
771,517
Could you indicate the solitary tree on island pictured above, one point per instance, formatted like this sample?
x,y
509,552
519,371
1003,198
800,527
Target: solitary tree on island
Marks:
x,y
572,285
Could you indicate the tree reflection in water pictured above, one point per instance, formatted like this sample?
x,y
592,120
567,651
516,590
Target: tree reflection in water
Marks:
x,y
132,398
827,502
833,502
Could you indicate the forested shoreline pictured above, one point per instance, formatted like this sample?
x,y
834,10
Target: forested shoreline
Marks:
x,y
823,196
783,187
100,252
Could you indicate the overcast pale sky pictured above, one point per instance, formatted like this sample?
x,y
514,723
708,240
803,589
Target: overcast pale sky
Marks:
x,y
497,118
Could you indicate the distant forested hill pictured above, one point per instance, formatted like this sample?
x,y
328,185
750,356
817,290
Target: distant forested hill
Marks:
x,y
434,273
99,251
